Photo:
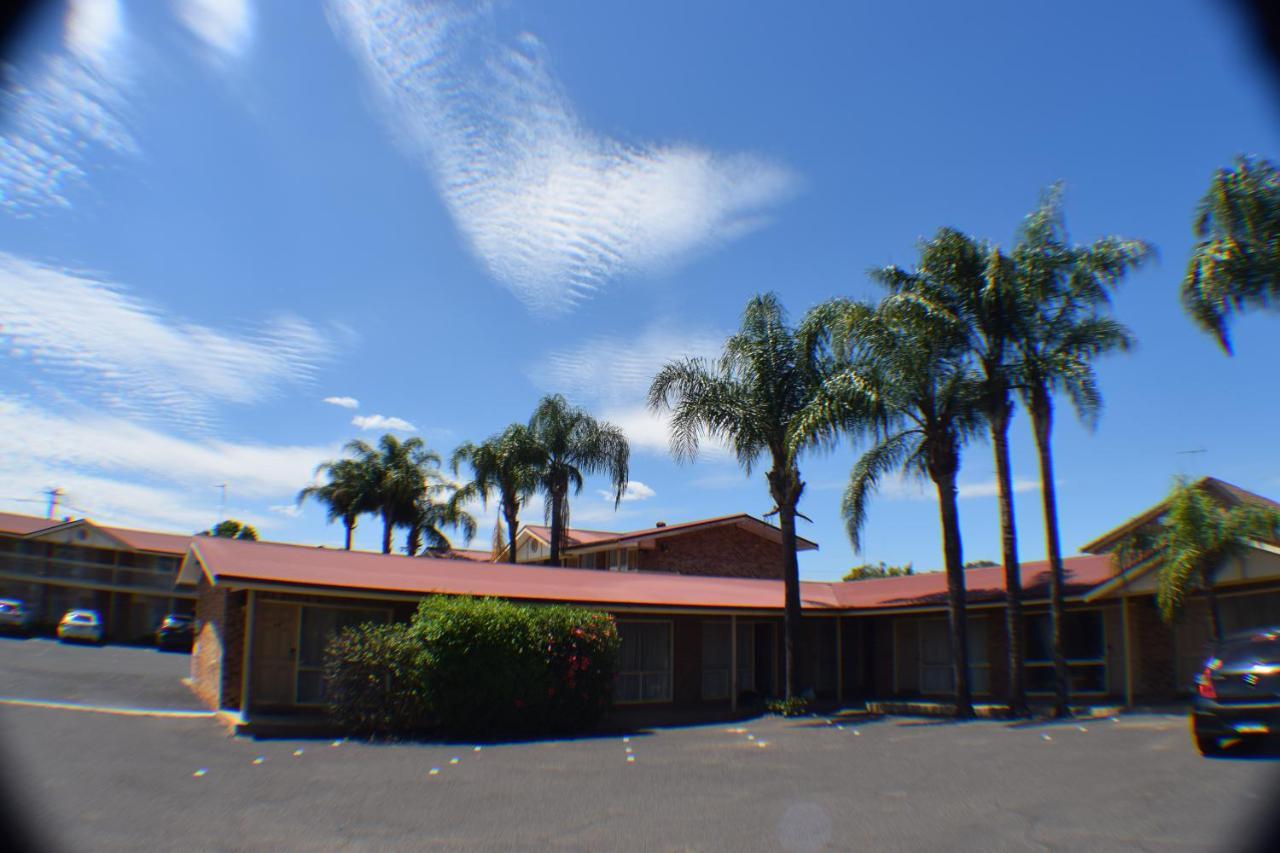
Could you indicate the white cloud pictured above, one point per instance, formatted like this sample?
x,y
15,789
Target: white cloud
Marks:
x,y
288,510
382,422
64,108
225,27
343,402
126,473
635,491
991,488
91,330
552,209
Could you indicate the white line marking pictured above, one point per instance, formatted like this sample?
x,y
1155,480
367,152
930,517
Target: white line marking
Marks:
x,y
107,709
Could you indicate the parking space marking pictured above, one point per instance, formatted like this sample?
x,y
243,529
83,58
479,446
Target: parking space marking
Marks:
x,y
107,709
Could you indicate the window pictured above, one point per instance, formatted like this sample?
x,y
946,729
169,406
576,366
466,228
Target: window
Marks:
x,y
318,625
1085,644
716,660
935,657
622,560
644,671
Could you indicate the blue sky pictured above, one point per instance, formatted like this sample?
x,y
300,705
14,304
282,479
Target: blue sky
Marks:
x,y
217,214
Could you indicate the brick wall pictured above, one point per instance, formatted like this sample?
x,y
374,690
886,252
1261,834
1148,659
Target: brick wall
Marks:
x,y
1154,677
726,551
233,649
207,654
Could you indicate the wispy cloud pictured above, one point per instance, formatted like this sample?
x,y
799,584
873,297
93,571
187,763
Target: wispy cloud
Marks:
x,y
552,209
382,422
224,27
88,329
64,108
343,402
899,487
121,471
635,491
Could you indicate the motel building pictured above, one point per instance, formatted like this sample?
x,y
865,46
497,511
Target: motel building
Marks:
x,y
699,610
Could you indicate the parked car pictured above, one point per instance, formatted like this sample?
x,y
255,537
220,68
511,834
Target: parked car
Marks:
x,y
176,631
83,625
14,616
1238,691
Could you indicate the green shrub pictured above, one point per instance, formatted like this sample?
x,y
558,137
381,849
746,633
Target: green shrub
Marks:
x,y
796,706
498,667
376,679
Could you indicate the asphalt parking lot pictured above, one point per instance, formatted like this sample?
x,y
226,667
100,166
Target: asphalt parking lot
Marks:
x,y
111,782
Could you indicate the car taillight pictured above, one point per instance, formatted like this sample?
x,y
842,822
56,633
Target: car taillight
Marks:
x,y
1204,685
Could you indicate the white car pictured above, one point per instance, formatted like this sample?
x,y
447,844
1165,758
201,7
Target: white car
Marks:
x,y
83,625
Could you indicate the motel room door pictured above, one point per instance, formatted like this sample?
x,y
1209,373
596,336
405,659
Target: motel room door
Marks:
x,y
275,654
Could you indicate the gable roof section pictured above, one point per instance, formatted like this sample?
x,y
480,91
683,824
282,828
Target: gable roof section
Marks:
x,y
1228,493
271,565
31,527
586,539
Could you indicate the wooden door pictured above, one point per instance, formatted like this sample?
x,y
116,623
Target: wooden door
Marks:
x,y
275,654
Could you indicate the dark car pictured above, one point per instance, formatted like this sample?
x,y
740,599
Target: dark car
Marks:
x,y
176,631
1238,691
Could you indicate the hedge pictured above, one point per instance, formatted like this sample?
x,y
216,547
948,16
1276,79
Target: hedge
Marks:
x,y
375,679
476,666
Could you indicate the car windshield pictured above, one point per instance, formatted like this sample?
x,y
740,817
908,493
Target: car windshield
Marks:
x,y
1258,647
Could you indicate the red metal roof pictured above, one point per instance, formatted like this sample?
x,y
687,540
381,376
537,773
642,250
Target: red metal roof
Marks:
x,y
140,540
21,525
231,561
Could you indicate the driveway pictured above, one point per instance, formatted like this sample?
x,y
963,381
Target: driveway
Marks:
x,y
46,670
112,782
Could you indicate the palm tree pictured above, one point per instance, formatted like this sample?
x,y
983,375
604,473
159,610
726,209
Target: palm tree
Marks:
x,y
430,515
907,380
1236,263
569,445
1059,334
964,284
345,494
1195,537
753,398
397,473
504,463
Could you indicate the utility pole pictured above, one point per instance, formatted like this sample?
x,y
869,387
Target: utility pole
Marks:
x,y
54,495
222,502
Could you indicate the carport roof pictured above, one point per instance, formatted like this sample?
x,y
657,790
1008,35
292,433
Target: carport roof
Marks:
x,y
236,563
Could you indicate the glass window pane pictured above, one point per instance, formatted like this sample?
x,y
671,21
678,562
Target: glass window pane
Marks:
x,y
310,686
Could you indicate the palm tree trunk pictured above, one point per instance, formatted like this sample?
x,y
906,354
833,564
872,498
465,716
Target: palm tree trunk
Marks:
x,y
557,522
1042,423
1017,687
513,519
791,587
349,524
1215,616
387,528
957,616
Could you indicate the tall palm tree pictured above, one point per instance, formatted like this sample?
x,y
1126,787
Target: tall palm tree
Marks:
x,y
505,463
965,284
345,493
753,398
1060,334
397,473
569,445
906,379
1194,539
1236,263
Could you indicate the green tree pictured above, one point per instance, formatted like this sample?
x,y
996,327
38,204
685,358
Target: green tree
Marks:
x,y
964,284
505,463
439,505
232,529
1235,264
980,564
1195,537
867,571
907,381
752,398
345,493
569,445
398,475
1060,333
